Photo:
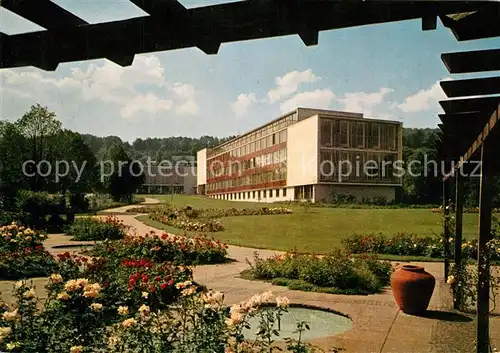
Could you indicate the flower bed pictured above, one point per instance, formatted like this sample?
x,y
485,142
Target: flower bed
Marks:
x,y
22,254
75,318
334,273
398,244
91,228
413,245
202,220
197,225
129,281
181,250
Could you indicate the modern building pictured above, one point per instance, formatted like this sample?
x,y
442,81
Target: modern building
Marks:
x,y
174,178
307,154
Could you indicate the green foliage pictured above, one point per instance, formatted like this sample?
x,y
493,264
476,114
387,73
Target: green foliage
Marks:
x,y
398,244
40,128
125,177
196,250
40,210
334,273
89,228
22,254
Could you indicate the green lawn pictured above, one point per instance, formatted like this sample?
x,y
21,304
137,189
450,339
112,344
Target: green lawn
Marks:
x,y
318,230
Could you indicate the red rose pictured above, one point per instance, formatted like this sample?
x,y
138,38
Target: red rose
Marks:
x,y
163,285
145,278
132,281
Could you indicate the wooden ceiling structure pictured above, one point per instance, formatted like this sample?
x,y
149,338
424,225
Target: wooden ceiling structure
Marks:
x,y
170,26
469,137
469,129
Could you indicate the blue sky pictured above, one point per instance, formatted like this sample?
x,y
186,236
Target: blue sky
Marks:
x,y
387,71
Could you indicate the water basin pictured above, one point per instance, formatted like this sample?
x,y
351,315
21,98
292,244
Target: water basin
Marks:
x,y
322,323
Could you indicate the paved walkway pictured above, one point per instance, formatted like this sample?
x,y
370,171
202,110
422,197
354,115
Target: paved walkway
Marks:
x,y
378,325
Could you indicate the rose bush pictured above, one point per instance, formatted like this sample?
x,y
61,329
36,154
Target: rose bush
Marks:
x,y
202,220
178,249
72,319
22,254
92,228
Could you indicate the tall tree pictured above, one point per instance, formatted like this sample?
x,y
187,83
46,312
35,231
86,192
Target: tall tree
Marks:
x,y
40,127
13,152
125,177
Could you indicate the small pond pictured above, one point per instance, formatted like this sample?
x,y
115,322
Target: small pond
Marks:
x,y
321,323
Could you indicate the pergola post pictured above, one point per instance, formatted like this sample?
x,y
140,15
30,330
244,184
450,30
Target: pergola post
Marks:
x,y
483,265
459,209
446,230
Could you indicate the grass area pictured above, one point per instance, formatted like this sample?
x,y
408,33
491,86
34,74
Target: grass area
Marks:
x,y
317,230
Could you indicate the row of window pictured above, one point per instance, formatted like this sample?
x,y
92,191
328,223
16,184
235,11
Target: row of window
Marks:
x,y
217,169
265,131
339,165
277,174
254,146
255,195
357,134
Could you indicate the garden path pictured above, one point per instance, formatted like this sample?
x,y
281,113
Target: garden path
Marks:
x,y
378,325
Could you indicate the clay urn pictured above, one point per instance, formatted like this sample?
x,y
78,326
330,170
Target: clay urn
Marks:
x,y
412,288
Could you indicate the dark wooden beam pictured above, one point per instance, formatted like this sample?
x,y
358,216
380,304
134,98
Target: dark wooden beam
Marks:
x,y
309,37
44,13
472,61
483,23
490,127
160,7
429,23
230,22
471,87
470,105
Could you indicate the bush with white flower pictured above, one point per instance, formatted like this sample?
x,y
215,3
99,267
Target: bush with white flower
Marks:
x,y
71,320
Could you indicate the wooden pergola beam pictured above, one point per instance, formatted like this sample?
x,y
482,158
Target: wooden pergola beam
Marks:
x,y
471,87
472,61
470,105
44,13
216,24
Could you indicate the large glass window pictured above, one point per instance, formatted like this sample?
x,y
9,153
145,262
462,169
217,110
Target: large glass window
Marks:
x,y
326,133
341,134
360,135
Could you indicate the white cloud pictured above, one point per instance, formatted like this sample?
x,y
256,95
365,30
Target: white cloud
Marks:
x,y
148,103
424,99
289,84
319,99
142,83
184,90
189,107
362,102
242,104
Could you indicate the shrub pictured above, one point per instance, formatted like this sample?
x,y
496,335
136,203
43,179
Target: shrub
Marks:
x,y
36,207
338,271
74,319
127,282
180,250
89,228
26,264
22,254
399,244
